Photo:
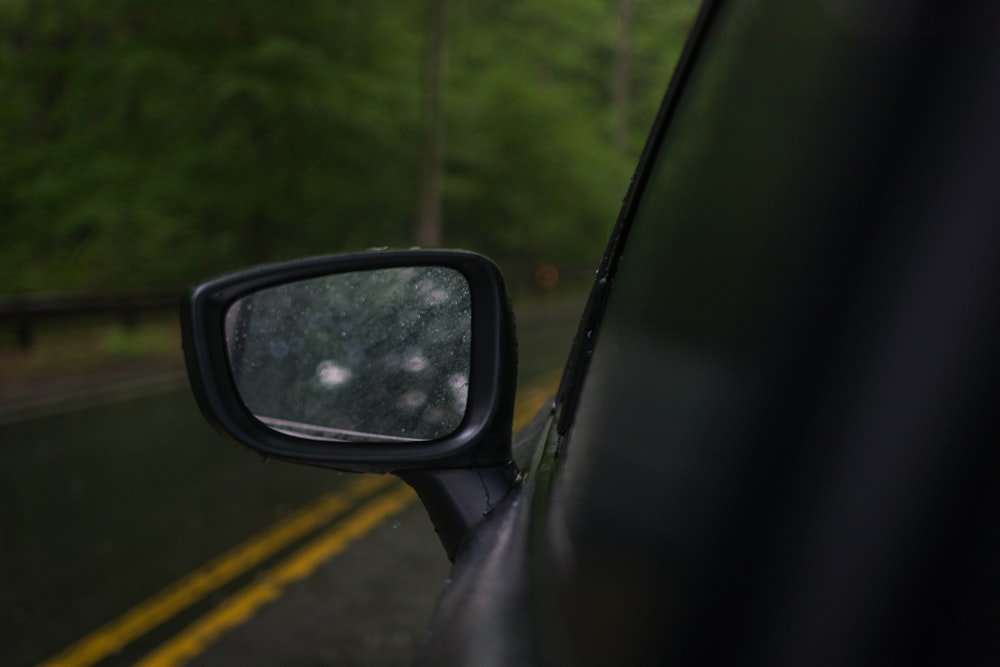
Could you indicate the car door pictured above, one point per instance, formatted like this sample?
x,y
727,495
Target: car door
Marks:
x,y
776,445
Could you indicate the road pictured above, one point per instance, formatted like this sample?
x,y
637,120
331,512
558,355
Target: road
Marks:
x,y
132,534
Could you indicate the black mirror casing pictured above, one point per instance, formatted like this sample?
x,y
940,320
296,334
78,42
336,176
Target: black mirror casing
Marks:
x,y
482,439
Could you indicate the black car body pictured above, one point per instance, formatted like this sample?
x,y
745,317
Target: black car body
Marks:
x,y
775,441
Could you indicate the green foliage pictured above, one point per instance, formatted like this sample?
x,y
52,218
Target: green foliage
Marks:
x,y
154,144
136,343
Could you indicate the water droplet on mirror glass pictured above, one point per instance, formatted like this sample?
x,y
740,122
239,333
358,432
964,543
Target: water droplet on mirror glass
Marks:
x,y
436,297
329,374
413,399
417,363
459,385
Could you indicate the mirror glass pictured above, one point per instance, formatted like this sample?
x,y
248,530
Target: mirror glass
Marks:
x,y
368,356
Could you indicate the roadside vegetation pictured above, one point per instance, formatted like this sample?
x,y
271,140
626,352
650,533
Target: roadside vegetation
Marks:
x,y
150,145
86,354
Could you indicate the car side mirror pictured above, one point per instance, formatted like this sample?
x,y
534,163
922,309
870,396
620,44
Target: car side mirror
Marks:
x,y
371,362
389,361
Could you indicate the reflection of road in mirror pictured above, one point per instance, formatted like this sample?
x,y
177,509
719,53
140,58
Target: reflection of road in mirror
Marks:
x,y
316,432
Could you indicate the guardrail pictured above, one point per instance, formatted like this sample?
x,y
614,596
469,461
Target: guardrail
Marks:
x,y
25,312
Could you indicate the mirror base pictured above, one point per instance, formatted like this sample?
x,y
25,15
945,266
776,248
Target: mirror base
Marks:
x,y
458,499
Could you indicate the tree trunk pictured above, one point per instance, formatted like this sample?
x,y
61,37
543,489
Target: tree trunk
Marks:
x,y
429,222
621,76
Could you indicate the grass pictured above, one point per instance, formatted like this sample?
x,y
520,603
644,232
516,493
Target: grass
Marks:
x,y
150,341
85,347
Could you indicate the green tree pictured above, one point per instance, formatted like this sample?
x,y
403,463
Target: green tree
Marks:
x,y
154,144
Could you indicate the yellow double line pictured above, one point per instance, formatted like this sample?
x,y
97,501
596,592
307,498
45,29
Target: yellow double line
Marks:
x,y
242,606
239,608
210,577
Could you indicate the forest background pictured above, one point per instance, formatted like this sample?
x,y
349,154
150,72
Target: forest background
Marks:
x,y
150,145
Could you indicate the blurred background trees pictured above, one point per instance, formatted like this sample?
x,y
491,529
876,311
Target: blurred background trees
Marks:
x,y
154,144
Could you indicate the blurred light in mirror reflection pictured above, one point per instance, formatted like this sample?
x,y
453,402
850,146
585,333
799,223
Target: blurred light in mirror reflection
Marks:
x,y
330,374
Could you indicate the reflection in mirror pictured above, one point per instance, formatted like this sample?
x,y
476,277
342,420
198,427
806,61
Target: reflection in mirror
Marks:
x,y
368,356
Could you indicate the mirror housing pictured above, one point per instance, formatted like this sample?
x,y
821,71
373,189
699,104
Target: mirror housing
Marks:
x,y
481,440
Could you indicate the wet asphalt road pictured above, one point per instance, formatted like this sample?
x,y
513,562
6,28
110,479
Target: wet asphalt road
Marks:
x,y
105,507
130,533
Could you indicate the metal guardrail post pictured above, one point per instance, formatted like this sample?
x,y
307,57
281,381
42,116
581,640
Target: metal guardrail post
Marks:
x,y
25,334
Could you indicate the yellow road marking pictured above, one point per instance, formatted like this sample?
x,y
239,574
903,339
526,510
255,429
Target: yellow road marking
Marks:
x,y
187,591
530,399
216,573
242,606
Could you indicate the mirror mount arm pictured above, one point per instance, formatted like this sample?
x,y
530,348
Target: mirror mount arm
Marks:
x,y
458,499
